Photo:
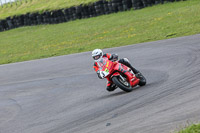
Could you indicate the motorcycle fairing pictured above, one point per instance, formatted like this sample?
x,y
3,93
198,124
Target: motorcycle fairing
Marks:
x,y
114,69
129,76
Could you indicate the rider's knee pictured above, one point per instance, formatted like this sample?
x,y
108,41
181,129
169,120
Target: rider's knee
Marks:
x,y
109,88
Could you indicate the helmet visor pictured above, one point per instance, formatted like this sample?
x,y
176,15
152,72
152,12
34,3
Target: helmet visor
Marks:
x,y
97,57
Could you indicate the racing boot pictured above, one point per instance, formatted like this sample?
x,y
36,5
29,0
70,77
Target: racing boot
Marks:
x,y
137,73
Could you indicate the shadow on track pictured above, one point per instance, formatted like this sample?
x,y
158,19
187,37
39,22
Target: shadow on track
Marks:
x,y
117,93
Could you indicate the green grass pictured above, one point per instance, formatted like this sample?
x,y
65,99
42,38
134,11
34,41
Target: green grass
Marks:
x,y
114,30
38,6
195,128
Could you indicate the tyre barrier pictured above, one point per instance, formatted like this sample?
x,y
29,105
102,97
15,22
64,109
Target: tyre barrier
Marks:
x,y
98,8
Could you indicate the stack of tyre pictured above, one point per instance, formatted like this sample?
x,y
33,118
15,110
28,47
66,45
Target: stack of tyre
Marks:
x,y
98,8
2,25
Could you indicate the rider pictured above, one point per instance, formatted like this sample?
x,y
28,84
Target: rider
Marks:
x,y
97,55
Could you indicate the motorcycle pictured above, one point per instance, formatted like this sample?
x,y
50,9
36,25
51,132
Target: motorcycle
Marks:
x,y
120,75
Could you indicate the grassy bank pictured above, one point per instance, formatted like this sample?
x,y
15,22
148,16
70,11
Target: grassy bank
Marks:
x,y
38,6
195,128
125,28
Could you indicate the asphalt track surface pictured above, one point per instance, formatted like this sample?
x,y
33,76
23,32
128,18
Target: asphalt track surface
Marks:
x,y
63,94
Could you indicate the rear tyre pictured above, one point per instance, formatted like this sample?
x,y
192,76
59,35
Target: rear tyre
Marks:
x,y
124,85
142,79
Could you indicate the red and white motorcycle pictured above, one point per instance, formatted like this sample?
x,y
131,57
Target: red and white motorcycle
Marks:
x,y
120,75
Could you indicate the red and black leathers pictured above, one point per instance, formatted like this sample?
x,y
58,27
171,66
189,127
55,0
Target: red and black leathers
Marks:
x,y
109,56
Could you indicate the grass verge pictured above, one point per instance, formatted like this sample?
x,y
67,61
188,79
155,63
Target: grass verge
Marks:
x,y
195,128
114,30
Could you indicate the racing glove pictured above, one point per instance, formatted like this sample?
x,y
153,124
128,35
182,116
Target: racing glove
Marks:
x,y
114,57
100,74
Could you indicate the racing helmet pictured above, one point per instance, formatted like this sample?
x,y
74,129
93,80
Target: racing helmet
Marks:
x,y
97,54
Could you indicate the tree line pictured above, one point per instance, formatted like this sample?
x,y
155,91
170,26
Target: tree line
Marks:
x,y
6,3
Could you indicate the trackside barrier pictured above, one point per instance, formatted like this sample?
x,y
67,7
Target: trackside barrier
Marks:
x,y
98,8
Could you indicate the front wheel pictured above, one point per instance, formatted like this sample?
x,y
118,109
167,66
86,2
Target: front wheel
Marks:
x,y
122,83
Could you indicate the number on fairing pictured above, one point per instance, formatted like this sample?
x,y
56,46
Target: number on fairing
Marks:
x,y
106,70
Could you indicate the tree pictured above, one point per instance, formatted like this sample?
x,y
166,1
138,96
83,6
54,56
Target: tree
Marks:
x,y
1,3
10,3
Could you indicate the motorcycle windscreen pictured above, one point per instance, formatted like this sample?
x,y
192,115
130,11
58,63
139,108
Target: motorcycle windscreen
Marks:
x,y
104,65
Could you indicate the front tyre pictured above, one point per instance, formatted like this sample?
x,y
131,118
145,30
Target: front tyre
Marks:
x,y
122,84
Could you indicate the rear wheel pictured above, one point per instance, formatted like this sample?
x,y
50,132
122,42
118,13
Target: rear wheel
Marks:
x,y
122,83
142,79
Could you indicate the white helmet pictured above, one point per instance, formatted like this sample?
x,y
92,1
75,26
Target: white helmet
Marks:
x,y
97,54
